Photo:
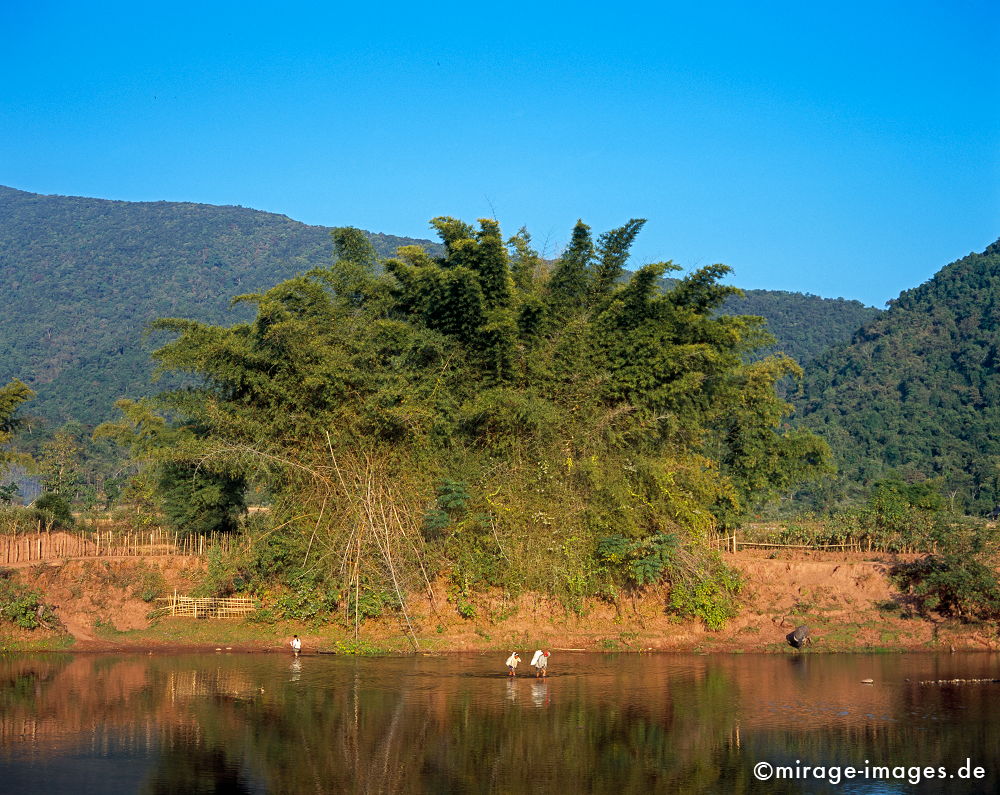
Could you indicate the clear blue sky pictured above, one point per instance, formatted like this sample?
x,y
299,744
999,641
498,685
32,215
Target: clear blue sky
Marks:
x,y
843,149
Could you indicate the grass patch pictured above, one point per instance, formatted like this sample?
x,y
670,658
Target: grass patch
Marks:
x,y
43,643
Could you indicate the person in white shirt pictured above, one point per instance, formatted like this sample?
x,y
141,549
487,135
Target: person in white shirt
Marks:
x,y
512,662
296,644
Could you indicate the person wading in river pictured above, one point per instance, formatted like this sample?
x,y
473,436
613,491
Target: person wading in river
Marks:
x,y
512,662
541,662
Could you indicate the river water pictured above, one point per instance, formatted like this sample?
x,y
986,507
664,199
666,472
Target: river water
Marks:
x,y
602,723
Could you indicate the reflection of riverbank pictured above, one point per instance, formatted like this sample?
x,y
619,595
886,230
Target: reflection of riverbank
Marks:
x,y
458,724
103,703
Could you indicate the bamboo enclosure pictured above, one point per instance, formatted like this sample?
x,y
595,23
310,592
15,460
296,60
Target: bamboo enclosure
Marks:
x,y
210,607
44,545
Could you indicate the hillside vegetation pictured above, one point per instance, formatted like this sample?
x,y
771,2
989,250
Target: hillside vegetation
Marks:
x,y
916,394
804,326
83,277
479,416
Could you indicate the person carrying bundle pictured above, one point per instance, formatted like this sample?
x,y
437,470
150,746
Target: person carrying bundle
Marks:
x,y
541,662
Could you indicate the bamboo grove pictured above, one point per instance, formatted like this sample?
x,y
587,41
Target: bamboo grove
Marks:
x,y
486,419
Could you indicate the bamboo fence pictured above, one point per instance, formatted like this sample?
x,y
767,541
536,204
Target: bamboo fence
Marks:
x,y
47,545
209,607
730,543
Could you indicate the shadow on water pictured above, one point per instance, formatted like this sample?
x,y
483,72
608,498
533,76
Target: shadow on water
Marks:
x,y
622,723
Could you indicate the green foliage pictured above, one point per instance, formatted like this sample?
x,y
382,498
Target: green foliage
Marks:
x,y
701,586
959,581
612,254
12,396
309,598
916,394
711,600
21,605
637,562
465,415
895,516
70,462
449,507
151,585
194,495
571,277
195,500
54,510
7,493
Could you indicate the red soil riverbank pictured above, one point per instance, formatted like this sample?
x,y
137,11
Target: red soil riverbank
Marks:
x,y
845,598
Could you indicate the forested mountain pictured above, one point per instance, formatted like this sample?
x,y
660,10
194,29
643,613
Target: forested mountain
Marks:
x,y
805,325
916,393
82,277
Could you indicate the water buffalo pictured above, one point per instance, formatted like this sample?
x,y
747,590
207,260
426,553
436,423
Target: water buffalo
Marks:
x,y
798,637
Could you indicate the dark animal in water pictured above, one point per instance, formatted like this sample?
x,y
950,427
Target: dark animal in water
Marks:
x,y
798,637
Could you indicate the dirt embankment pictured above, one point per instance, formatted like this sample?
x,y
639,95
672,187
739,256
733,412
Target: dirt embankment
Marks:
x,y
95,600
845,598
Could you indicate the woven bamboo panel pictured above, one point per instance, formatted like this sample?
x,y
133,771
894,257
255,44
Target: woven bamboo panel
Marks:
x,y
212,607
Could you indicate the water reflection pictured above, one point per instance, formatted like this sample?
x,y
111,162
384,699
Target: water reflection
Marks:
x,y
625,723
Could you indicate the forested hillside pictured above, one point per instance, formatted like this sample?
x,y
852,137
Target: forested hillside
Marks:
x,y
916,393
82,277
805,325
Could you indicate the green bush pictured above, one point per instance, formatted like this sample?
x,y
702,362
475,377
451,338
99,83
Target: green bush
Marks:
x,y
53,510
636,562
951,584
310,598
23,606
151,585
711,600
195,500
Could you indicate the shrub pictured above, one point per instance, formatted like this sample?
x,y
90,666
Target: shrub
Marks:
x,y
23,606
54,510
960,579
710,599
952,585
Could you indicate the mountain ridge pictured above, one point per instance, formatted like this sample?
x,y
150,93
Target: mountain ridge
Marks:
x,y
84,276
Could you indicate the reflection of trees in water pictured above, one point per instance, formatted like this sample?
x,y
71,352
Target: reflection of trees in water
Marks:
x,y
187,764
360,739
238,724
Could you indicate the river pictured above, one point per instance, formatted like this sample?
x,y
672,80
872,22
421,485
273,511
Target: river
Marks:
x,y
602,723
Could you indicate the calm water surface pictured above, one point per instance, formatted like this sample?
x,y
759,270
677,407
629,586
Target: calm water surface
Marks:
x,y
599,723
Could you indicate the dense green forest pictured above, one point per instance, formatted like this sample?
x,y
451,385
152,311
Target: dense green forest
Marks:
x,y
467,409
912,397
916,394
803,325
82,278
559,427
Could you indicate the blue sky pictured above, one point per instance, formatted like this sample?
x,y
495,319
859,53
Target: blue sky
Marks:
x,y
847,149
